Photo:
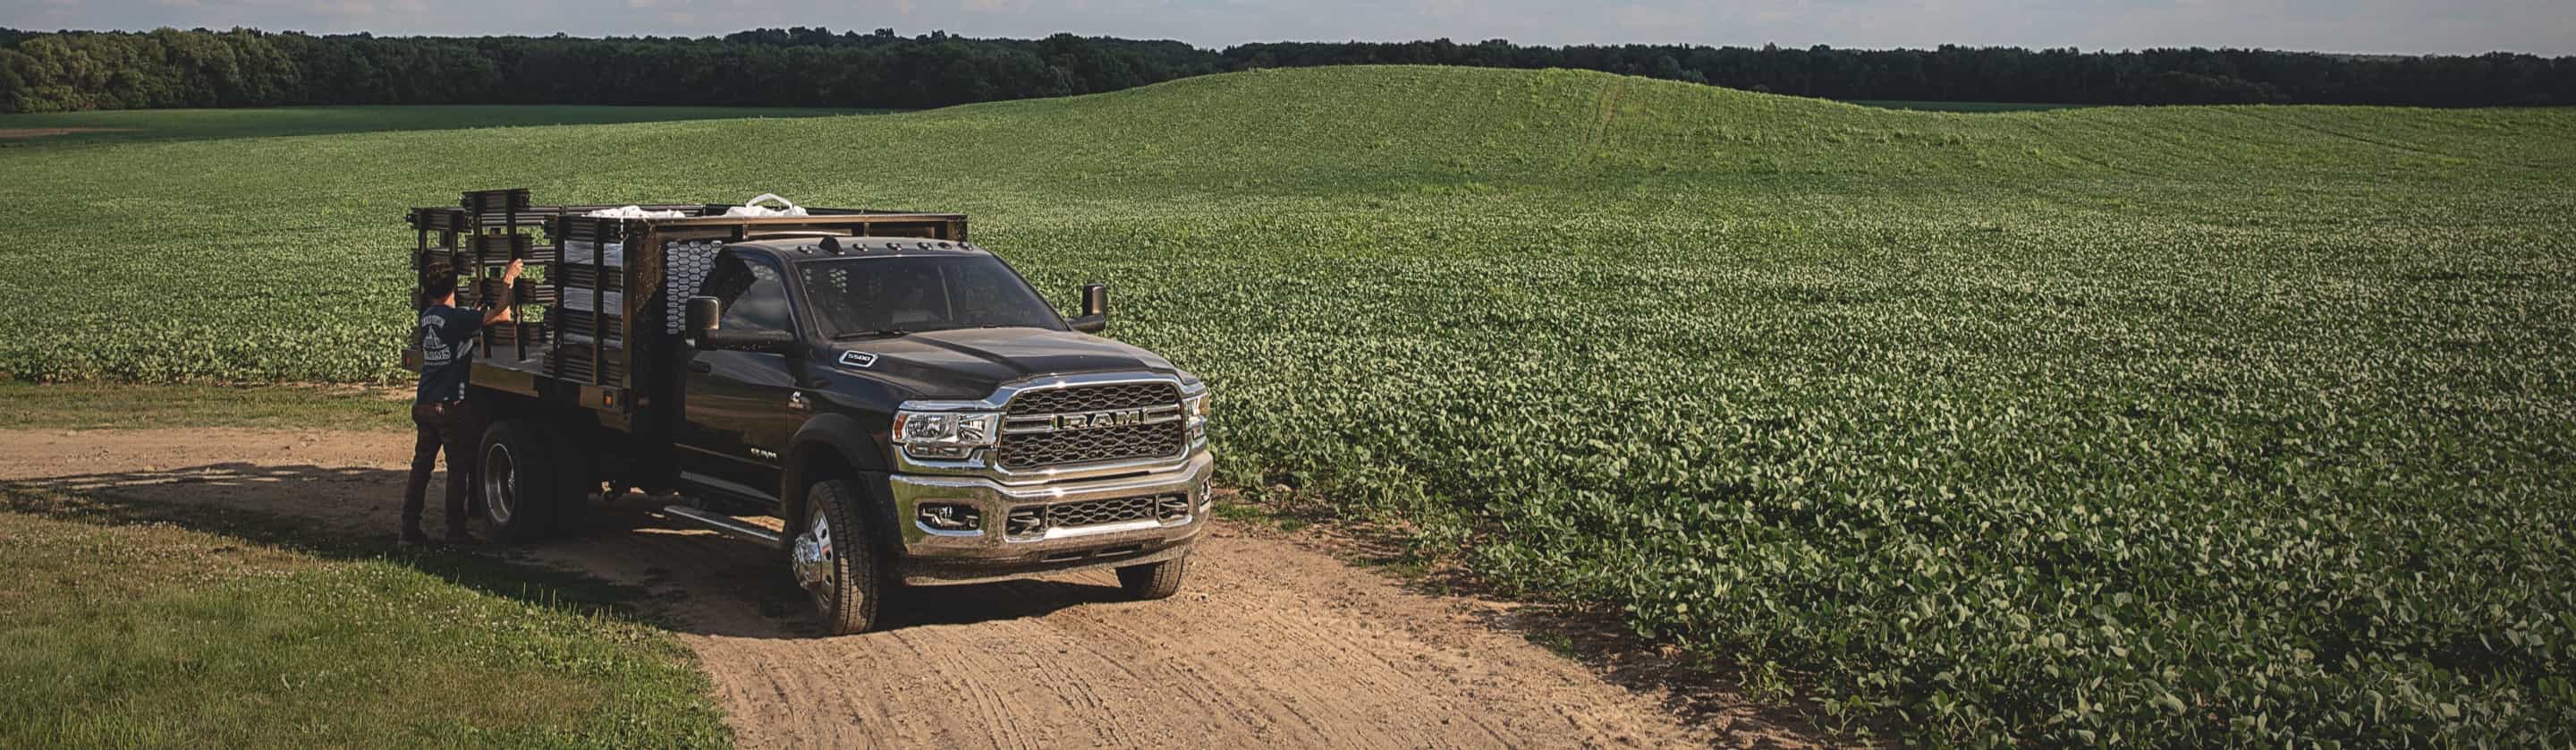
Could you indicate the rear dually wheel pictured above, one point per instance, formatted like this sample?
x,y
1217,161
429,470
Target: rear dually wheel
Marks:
x,y
519,482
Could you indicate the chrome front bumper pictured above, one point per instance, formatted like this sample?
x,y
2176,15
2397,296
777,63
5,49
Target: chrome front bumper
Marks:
x,y
989,552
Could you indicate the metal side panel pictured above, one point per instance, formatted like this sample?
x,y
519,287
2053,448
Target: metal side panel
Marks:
x,y
501,378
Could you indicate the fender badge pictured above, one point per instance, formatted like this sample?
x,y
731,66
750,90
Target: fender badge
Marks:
x,y
858,359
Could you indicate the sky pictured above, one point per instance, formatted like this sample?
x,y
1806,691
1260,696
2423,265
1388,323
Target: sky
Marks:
x,y
2546,27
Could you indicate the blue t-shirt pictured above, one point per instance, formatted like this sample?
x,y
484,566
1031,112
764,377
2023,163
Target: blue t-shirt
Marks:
x,y
446,336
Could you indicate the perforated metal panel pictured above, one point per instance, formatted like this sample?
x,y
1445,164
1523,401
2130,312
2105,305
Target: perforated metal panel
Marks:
x,y
689,263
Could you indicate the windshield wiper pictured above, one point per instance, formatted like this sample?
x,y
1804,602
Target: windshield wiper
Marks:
x,y
868,334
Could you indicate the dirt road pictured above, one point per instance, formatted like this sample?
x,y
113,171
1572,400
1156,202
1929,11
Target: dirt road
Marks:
x,y
1269,644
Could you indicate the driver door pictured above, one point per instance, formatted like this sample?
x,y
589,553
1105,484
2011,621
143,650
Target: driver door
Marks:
x,y
736,418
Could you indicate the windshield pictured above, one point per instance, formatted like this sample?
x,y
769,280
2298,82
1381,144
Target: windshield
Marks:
x,y
894,295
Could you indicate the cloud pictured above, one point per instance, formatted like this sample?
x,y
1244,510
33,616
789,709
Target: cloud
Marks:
x,y
346,7
1440,8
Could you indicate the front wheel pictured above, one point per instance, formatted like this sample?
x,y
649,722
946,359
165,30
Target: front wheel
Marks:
x,y
834,560
1153,580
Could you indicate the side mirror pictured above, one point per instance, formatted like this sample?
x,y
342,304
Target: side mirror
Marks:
x,y
1095,309
700,316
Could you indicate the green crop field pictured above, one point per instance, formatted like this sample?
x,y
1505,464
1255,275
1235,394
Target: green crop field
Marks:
x,y
125,126
1964,106
2172,426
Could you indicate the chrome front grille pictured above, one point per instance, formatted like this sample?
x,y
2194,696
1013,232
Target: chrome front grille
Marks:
x,y
1043,449
1034,520
1091,398
1092,424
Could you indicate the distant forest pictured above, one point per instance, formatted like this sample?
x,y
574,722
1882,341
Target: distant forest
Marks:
x,y
44,72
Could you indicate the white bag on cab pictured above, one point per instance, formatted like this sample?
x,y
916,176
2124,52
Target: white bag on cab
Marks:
x,y
753,208
633,212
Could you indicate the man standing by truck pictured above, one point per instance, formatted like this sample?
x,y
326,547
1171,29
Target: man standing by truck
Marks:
x,y
446,336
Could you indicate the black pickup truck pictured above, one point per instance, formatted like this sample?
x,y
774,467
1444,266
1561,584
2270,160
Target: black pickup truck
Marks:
x,y
902,401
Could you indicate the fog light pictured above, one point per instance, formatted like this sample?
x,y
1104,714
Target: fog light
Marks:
x,y
1026,521
1169,508
950,517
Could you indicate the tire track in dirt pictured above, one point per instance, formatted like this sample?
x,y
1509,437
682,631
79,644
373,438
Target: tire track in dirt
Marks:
x,y
1268,644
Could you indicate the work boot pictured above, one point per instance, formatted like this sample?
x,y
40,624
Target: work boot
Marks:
x,y
414,538
458,538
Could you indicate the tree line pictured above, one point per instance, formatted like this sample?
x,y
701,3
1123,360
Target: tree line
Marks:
x,y
43,72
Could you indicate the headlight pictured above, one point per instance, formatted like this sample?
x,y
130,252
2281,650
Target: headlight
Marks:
x,y
1196,407
944,434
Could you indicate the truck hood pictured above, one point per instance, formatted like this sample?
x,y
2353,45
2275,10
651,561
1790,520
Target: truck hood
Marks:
x,y
969,363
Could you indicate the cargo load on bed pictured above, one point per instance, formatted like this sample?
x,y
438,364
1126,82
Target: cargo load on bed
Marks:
x,y
583,267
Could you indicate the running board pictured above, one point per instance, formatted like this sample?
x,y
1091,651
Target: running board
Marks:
x,y
723,524
727,488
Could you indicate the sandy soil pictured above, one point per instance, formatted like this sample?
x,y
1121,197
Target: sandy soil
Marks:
x,y
12,134
1270,643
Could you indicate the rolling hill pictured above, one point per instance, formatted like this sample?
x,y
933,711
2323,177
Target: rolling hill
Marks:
x,y
2172,425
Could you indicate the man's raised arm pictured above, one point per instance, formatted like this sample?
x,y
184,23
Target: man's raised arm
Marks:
x,y
500,311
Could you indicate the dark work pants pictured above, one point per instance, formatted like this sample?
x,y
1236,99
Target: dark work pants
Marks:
x,y
441,424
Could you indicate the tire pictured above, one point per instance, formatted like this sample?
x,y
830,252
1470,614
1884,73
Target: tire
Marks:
x,y
1152,581
517,480
579,479
835,559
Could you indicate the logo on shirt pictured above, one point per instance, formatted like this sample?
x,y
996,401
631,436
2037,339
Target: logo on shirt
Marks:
x,y
434,350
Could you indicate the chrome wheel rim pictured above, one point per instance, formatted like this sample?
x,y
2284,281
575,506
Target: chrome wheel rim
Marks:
x,y
500,484
816,567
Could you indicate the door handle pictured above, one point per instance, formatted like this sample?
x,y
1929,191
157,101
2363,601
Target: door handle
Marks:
x,y
697,366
